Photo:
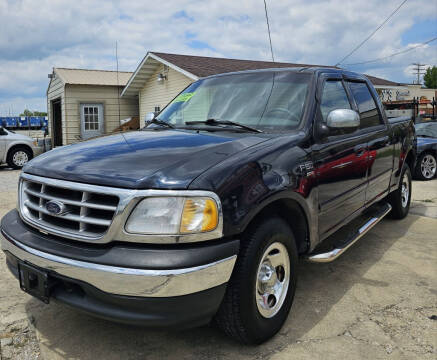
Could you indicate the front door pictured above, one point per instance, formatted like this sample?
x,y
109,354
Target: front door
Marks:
x,y
340,162
91,118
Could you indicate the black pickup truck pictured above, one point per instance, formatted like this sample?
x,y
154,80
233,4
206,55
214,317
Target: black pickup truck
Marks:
x,y
204,213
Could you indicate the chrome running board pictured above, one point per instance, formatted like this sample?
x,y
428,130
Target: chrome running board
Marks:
x,y
333,254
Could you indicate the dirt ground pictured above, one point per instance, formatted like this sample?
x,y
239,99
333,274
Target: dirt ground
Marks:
x,y
378,301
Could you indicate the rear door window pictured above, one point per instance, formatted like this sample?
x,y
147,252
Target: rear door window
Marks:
x,y
369,115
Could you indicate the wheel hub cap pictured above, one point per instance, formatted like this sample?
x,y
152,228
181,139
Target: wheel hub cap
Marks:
x,y
428,166
405,191
20,158
272,280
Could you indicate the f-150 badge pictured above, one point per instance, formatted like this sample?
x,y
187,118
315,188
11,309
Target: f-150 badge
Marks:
x,y
306,169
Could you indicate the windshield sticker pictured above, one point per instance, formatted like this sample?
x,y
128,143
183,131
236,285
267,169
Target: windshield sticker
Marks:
x,y
184,97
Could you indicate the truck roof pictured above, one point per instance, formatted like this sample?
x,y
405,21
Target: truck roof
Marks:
x,y
313,69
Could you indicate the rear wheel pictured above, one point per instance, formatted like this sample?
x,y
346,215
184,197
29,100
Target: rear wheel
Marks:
x,y
261,290
426,166
401,198
18,157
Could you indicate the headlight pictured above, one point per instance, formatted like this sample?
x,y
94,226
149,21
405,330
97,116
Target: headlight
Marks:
x,y
174,215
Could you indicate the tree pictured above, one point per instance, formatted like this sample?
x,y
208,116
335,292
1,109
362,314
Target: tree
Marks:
x,y
430,77
27,112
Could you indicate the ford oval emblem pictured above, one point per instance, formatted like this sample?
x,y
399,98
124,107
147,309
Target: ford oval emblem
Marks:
x,y
55,207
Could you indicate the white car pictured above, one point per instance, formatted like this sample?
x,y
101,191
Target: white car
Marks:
x,y
16,149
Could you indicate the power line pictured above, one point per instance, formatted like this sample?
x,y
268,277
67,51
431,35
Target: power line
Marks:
x,y
373,33
394,54
268,29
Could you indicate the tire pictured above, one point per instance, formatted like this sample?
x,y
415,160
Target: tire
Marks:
x,y
426,166
240,314
401,198
18,157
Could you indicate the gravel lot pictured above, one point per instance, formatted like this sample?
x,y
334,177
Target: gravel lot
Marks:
x,y
378,301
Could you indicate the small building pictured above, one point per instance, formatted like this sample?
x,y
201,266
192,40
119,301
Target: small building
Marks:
x,y
161,76
390,91
85,103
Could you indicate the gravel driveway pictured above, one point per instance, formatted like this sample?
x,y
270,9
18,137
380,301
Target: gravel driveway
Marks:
x,y
378,301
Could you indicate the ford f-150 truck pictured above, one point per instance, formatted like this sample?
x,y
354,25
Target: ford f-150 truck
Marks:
x,y
203,214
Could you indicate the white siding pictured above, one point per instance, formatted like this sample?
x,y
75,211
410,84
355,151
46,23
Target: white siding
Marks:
x,y
106,95
154,94
56,91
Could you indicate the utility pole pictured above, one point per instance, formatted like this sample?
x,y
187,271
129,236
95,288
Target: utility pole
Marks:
x,y
419,70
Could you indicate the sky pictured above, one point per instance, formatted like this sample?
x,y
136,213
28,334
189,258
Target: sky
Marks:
x,y
37,35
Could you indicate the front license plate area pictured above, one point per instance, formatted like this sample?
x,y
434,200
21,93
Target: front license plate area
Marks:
x,y
34,281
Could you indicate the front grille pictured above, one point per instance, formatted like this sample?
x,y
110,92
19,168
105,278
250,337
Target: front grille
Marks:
x,y
87,214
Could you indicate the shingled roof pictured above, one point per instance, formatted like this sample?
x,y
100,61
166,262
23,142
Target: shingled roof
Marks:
x,y
205,66
196,67
383,82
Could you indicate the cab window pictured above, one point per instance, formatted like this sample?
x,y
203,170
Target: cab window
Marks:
x,y
369,115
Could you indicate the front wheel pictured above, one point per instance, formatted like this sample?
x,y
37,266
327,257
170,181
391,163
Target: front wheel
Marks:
x,y
18,157
400,199
261,290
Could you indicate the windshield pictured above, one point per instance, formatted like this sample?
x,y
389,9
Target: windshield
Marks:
x,y
427,129
263,100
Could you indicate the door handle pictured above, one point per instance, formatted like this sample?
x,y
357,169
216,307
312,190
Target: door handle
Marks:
x,y
360,152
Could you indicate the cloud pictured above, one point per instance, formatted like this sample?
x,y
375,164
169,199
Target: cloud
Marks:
x,y
38,35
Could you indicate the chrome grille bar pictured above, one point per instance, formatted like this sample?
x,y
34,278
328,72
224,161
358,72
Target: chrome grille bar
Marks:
x,y
82,203
86,213
72,217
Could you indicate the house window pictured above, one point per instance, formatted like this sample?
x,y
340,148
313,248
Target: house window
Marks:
x,y
91,117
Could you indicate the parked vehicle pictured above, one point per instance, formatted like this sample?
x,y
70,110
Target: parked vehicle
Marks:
x,y
16,149
426,150
204,213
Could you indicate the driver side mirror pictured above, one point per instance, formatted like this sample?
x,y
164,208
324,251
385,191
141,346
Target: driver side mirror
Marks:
x,y
343,119
2,131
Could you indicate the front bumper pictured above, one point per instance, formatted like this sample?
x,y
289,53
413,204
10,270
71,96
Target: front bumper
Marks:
x,y
109,280
127,281
37,150
178,312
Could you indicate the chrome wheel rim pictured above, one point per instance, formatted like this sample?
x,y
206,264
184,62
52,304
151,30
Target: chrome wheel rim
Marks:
x,y
405,191
20,158
272,280
428,166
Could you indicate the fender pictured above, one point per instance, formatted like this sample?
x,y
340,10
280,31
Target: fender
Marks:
x,y
308,206
249,181
15,143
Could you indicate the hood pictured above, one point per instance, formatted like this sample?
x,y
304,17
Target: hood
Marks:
x,y
15,136
164,159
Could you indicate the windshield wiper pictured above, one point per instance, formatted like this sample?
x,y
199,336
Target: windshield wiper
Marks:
x,y
215,122
160,122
